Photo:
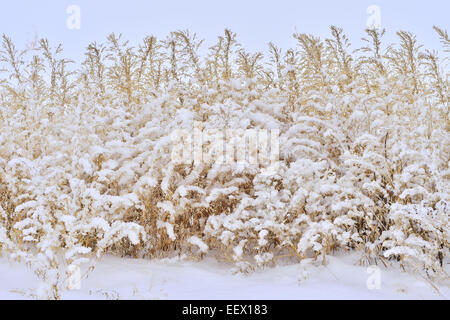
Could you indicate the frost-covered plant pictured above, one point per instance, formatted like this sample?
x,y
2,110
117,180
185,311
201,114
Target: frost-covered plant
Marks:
x,y
86,163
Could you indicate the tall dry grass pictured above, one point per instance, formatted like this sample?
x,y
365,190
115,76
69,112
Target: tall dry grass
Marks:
x,y
86,168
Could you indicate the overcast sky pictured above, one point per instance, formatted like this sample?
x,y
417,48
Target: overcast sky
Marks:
x,y
255,21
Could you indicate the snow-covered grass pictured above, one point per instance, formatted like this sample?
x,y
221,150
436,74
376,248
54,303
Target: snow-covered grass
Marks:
x,y
118,278
87,163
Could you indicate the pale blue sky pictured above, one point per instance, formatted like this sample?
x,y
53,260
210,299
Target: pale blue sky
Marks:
x,y
255,21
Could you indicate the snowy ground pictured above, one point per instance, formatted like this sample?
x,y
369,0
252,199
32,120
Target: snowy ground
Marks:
x,y
117,278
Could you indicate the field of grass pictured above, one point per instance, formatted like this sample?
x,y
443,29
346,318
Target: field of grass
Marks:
x,y
87,167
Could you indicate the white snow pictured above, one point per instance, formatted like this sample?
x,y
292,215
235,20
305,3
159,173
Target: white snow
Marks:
x,y
119,278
